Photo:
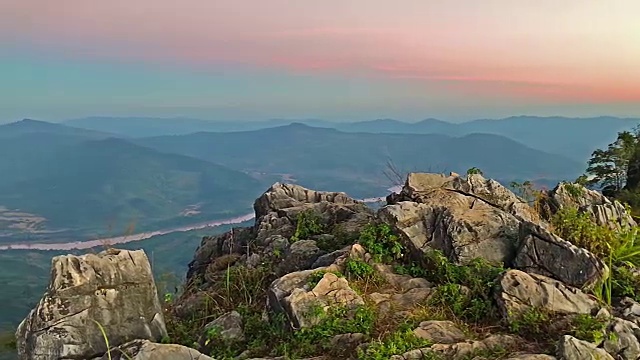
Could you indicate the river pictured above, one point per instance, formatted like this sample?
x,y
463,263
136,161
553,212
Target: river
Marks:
x,y
140,236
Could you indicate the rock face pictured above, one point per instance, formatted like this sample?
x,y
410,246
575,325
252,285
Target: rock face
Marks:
x,y
114,288
542,252
479,218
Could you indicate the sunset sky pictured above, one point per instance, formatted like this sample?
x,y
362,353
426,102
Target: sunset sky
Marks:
x,y
331,59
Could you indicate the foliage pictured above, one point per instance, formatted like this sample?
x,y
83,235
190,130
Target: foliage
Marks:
x,y
359,269
465,289
336,321
608,167
381,243
308,223
578,228
474,170
536,323
524,190
395,343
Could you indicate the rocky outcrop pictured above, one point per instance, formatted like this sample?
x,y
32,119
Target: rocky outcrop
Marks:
x,y
306,260
339,217
602,210
278,208
463,226
114,289
479,218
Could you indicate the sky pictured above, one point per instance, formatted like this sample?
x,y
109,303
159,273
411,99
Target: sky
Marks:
x,y
332,59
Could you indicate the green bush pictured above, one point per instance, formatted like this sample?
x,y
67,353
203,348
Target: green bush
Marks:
x,y
381,243
308,223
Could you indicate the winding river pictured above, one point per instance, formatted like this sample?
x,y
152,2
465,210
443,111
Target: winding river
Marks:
x,y
140,236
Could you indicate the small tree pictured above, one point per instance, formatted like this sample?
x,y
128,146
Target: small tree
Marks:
x,y
609,168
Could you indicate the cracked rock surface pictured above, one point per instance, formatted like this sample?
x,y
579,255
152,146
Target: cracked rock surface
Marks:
x,y
520,291
114,288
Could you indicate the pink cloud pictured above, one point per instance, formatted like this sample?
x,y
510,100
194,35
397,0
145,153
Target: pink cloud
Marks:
x,y
495,48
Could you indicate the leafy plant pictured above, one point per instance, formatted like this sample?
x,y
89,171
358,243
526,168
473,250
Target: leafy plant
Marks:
x,y
381,243
395,343
308,223
474,170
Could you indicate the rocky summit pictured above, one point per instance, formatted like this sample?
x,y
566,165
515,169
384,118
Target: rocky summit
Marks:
x,y
452,267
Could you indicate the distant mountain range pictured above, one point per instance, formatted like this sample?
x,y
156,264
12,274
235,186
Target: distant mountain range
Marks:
x,y
92,179
87,180
327,158
575,138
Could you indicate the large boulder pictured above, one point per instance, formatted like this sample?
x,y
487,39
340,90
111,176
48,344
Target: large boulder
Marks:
x,y
300,301
519,292
418,186
114,289
437,212
570,348
544,253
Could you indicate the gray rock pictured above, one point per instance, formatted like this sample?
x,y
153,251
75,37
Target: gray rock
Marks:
x,y
602,210
543,253
114,288
300,256
146,350
439,332
622,339
226,328
520,291
462,227
570,348
531,357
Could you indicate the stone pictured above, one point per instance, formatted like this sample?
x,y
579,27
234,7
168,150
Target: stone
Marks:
x,y
544,253
290,295
227,328
147,350
602,210
622,339
463,228
531,357
570,348
520,291
439,332
300,256
114,288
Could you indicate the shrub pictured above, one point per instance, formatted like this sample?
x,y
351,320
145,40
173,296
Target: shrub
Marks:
x,y
381,243
308,223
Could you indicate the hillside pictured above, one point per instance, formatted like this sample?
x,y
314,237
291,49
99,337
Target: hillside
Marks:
x,y
328,159
75,182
